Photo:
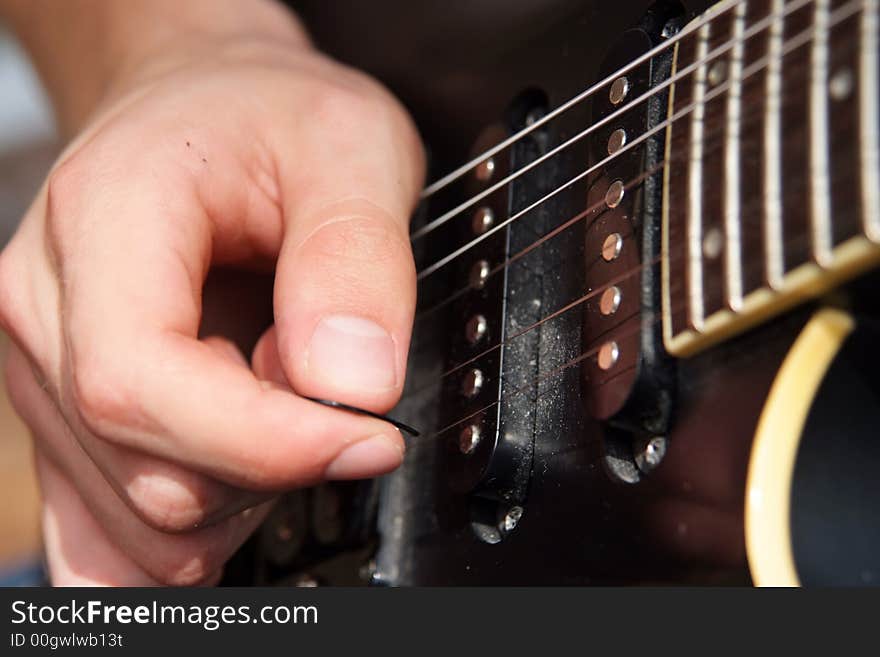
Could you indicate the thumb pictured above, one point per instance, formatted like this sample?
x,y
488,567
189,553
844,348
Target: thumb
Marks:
x,y
345,288
345,298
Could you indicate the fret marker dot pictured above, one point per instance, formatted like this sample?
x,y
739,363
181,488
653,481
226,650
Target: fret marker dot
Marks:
x,y
717,73
841,85
713,242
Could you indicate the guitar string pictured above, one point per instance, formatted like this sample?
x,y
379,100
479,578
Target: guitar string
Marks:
x,y
756,67
454,175
748,215
750,210
802,38
592,294
795,242
757,28
594,208
799,241
423,314
619,336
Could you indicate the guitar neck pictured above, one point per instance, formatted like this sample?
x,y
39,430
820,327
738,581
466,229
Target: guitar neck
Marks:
x,y
772,183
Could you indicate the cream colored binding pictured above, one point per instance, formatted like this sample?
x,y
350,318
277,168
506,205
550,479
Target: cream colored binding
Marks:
x,y
845,261
774,450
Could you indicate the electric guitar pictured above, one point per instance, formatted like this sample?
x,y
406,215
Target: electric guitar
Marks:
x,y
645,349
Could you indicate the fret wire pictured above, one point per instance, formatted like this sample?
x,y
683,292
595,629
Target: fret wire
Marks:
x,y
732,209
820,187
763,63
773,150
796,42
870,118
439,184
804,239
706,20
619,336
757,28
696,311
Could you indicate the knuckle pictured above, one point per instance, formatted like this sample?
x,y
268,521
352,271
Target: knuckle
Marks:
x,y
357,240
167,503
186,567
359,261
344,109
337,105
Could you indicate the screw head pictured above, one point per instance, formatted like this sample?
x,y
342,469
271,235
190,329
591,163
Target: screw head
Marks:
x,y
483,220
472,383
511,518
485,170
615,194
616,141
650,452
612,247
619,90
609,302
469,438
476,329
609,353
479,273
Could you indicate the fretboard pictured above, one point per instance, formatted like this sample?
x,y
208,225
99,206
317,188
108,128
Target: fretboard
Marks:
x,y
772,183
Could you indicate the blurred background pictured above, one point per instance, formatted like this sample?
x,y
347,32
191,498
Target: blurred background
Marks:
x,y
27,149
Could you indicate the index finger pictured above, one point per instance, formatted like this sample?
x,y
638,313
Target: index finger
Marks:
x,y
137,374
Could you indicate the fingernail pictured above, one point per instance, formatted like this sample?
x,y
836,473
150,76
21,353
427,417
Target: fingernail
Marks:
x,y
352,353
366,458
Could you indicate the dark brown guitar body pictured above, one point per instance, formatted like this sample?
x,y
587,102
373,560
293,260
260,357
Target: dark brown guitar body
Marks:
x,y
583,510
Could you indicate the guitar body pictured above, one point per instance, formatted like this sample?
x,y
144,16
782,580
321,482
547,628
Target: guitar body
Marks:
x,y
573,505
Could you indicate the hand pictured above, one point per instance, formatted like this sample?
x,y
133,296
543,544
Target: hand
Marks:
x,y
158,450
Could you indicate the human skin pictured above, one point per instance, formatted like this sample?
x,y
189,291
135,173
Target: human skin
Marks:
x,y
201,134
